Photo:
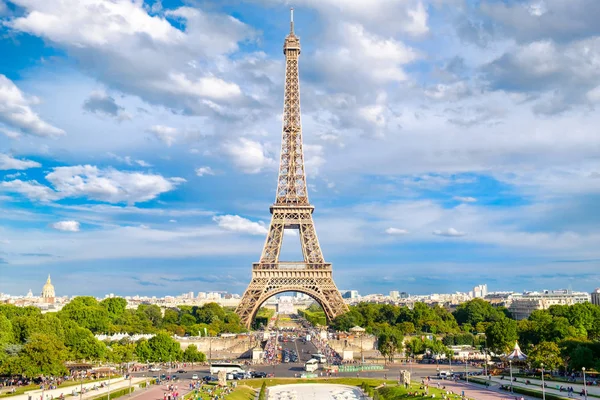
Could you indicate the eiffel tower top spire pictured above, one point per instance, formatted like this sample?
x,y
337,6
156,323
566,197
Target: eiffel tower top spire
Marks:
x,y
291,185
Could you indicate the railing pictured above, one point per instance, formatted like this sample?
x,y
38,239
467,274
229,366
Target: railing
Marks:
x,y
293,266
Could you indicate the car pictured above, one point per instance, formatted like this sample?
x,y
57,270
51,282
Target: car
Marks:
x,y
181,371
239,375
195,377
155,369
259,374
209,378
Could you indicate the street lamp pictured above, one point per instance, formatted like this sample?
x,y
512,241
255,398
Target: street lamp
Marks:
x,y
510,369
484,363
584,384
543,387
467,370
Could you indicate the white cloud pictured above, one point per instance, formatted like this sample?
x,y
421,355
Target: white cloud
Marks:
x,y
100,102
248,155
30,189
450,232
396,231
109,185
166,134
8,162
466,199
15,112
146,54
236,223
66,226
201,171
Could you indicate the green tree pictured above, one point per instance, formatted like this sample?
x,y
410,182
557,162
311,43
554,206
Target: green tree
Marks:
x,y
124,352
348,320
501,335
191,354
164,348
42,355
547,353
82,344
581,356
6,331
143,351
209,313
115,306
389,343
87,313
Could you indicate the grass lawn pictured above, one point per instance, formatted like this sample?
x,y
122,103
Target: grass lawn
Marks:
x,y
24,389
239,393
257,383
398,392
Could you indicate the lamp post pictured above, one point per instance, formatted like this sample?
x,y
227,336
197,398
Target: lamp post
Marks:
x,y
584,384
467,370
510,369
543,387
81,387
484,363
129,376
108,395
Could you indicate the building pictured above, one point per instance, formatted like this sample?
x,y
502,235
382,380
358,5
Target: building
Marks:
x,y
394,294
349,294
480,291
595,297
48,294
523,305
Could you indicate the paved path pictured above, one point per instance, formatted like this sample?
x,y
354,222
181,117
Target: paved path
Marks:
x,y
550,386
474,391
67,391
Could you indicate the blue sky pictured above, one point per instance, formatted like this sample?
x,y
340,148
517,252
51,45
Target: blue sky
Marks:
x,y
447,142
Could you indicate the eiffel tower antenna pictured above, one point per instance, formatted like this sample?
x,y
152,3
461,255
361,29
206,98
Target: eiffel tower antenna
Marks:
x,y
291,210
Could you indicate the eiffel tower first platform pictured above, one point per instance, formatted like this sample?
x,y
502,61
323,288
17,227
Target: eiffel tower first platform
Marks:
x,y
291,210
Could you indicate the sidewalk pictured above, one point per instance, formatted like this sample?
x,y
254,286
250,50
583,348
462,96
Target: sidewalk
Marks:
x,y
475,391
115,384
552,387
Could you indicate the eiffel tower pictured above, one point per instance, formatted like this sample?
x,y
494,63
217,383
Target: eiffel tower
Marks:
x,y
291,210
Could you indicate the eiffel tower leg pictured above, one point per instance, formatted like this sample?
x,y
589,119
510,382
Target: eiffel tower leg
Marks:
x,y
265,284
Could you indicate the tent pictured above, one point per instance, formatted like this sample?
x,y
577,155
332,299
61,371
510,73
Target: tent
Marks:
x,y
516,354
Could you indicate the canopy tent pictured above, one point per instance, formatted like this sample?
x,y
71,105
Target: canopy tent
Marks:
x,y
357,329
516,354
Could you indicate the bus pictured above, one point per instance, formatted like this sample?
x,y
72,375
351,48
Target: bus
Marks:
x,y
227,367
320,358
311,365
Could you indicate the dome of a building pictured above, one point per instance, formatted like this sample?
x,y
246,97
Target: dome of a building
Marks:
x,y
48,290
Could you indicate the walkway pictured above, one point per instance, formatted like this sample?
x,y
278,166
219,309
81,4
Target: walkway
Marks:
x,y
551,386
115,384
474,391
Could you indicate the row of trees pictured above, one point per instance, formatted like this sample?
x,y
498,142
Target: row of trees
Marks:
x,y
562,336
32,343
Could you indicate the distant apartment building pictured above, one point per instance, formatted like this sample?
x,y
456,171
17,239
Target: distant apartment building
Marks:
x,y
349,294
595,297
523,305
394,294
480,291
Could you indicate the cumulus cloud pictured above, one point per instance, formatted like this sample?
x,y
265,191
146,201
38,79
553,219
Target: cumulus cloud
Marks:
x,y
66,226
201,171
15,111
108,185
396,231
450,232
146,55
466,199
8,162
165,134
248,155
239,224
100,102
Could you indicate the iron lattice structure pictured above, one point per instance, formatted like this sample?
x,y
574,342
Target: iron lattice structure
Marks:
x,y
291,210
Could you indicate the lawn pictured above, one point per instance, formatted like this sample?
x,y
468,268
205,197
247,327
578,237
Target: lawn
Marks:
x,y
257,383
239,393
23,389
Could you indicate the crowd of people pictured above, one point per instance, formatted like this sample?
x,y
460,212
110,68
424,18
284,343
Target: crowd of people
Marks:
x,y
333,357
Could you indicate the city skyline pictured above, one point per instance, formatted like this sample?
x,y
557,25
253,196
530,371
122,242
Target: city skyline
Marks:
x,y
142,158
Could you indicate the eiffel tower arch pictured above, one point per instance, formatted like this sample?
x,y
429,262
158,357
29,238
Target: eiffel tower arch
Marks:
x,y
291,210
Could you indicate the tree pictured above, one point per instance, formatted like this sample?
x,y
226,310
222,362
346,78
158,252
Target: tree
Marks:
x,y
582,356
389,343
501,335
164,348
123,352
42,355
547,353
82,344
115,306
87,312
6,331
143,351
348,320
191,354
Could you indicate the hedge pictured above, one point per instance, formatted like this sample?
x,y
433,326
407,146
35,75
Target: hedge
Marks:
x,y
115,394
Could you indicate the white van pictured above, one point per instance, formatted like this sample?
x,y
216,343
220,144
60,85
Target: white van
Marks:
x,y
444,374
311,365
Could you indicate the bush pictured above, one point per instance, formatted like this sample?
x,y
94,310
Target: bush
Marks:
x,y
262,395
115,394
